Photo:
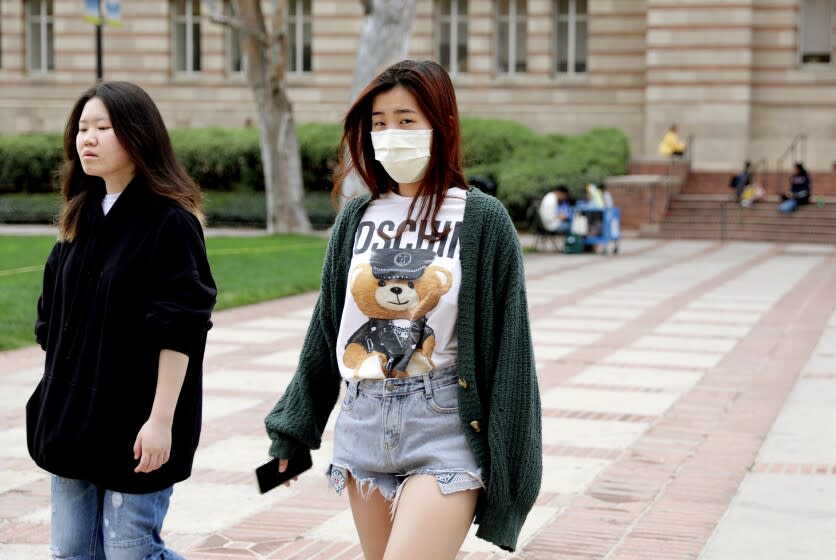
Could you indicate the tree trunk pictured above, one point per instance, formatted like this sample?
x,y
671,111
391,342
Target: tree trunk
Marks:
x,y
283,186
384,39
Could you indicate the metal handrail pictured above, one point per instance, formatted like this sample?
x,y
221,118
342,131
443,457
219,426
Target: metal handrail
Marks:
x,y
798,151
761,170
667,178
689,148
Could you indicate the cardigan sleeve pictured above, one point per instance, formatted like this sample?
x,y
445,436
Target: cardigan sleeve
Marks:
x,y
47,292
183,291
514,415
299,417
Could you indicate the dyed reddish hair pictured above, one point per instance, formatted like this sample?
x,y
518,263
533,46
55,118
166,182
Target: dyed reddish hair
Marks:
x,y
430,85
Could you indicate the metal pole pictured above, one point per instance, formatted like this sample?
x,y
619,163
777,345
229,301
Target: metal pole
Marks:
x,y
99,62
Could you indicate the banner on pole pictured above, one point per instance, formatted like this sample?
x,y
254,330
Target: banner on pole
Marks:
x,y
91,12
113,13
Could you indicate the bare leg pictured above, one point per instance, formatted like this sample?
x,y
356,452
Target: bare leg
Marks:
x,y
429,524
372,519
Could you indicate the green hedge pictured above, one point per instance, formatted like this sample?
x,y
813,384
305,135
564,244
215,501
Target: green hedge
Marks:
x,y
489,141
29,162
556,159
318,145
221,208
221,159
521,162
29,208
248,208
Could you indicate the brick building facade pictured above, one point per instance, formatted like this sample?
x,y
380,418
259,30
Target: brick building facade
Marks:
x,y
743,76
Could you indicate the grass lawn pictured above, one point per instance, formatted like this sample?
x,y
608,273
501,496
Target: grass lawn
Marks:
x,y
246,270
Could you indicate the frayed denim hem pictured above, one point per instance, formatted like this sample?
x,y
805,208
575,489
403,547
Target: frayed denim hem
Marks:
x,y
366,482
390,486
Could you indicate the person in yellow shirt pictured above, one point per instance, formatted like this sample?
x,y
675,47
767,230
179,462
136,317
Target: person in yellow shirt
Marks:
x,y
671,145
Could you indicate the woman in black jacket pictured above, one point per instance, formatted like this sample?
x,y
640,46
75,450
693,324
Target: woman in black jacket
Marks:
x,y
123,316
799,189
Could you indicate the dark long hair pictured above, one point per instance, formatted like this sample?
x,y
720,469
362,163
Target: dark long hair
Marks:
x,y
799,169
140,129
430,85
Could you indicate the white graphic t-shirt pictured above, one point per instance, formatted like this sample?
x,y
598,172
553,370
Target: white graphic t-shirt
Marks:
x,y
401,305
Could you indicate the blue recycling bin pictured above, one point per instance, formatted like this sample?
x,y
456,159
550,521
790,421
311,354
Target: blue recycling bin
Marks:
x,y
604,226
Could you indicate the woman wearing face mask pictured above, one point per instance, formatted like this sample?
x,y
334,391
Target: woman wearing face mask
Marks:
x,y
422,317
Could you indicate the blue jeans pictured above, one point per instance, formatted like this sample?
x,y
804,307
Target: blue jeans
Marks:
x,y
788,206
91,523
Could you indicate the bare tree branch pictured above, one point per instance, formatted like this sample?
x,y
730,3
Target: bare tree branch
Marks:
x,y
216,15
238,25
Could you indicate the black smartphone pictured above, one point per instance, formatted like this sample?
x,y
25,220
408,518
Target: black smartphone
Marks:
x,y
268,474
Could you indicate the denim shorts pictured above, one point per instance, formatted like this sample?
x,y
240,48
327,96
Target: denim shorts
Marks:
x,y
390,429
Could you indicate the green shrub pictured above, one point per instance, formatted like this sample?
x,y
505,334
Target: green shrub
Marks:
x,y
234,208
225,161
221,208
219,159
555,159
488,141
230,159
29,208
222,159
29,162
318,144
249,209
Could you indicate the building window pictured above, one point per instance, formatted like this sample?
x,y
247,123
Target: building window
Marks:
x,y
511,36
299,36
186,32
236,59
451,34
40,37
570,36
816,31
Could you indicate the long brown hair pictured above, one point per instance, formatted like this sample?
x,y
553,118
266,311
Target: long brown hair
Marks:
x,y
430,85
140,129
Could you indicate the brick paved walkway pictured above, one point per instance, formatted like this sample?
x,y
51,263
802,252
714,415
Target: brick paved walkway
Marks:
x,y
661,369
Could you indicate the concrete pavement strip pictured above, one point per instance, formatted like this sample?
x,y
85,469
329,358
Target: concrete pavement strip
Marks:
x,y
662,372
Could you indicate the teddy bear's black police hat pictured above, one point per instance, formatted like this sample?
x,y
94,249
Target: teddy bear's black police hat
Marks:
x,y
403,264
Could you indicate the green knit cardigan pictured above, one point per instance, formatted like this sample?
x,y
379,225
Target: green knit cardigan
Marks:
x,y
499,401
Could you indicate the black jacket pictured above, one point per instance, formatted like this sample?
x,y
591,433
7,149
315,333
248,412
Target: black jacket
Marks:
x,y
132,283
381,335
800,187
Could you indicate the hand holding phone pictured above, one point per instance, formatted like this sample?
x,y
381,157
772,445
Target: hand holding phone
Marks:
x,y
268,474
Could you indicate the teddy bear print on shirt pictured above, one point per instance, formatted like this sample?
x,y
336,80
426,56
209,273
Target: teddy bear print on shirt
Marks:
x,y
395,290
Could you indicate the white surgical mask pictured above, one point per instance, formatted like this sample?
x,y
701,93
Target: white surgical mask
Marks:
x,y
404,154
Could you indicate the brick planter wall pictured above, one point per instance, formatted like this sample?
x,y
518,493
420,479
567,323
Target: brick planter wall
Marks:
x,y
643,199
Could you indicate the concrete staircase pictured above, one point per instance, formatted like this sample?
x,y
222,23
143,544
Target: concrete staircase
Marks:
x,y
704,208
667,199
719,217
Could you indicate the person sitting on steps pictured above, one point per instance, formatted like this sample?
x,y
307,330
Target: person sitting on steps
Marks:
x,y
799,190
671,145
742,180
